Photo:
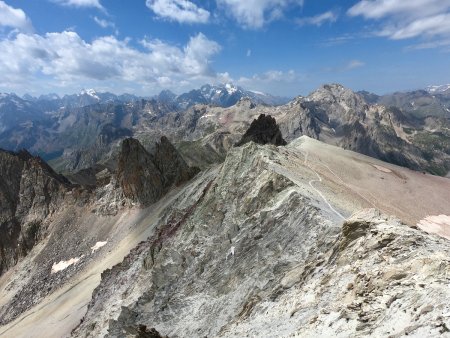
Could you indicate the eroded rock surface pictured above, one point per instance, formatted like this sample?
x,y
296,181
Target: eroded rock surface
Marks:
x,y
29,192
137,174
145,177
247,251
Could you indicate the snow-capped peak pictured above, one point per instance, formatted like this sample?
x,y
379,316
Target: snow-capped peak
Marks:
x,y
231,89
90,92
438,88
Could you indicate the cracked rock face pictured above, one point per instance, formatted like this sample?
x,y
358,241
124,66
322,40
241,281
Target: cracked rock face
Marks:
x,y
29,192
219,252
137,174
145,177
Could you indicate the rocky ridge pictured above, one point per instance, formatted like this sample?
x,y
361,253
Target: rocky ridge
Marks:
x,y
145,177
251,249
42,208
30,191
253,246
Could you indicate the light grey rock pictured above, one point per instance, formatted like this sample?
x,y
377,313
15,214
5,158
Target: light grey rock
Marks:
x,y
244,251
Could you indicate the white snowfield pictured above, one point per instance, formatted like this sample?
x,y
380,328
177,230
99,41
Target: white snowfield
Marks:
x,y
65,264
98,245
439,224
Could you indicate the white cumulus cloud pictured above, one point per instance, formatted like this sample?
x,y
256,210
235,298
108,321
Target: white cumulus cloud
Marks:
x,y
14,18
65,59
104,23
182,11
255,14
277,82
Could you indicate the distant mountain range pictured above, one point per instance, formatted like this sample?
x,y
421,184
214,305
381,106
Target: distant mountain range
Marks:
x,y
76,131
431,101
223,95
50,124
439,89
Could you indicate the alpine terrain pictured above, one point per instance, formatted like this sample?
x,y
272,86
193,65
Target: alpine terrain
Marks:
x,y
315,218
224,168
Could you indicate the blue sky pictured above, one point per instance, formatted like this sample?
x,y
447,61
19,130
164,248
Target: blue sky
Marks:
x,y
284,47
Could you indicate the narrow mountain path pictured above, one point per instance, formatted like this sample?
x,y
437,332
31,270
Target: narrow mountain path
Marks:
x,y
290,170
317,190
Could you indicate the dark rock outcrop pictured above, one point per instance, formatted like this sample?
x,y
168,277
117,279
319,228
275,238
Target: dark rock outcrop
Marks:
x,y
29,192
171,164
137,174
145,177
263,130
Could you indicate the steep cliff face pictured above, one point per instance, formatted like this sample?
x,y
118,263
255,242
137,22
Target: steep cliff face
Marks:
x,y
145,177
170,163
30,191
137,174
263,130
74,223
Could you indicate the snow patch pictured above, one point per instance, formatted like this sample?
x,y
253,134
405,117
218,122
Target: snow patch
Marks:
x,y
97,246
439,224
206,116
90,92
230,253
64,264
438,89
230,88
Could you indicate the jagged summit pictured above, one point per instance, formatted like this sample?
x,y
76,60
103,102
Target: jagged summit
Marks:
x,y
170,163
137,174
145,177
263,130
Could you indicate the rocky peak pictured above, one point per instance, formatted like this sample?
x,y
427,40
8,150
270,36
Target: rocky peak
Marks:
x,y
336,105
246,102
166,96
170,163
263,130
333,89
137,175
145,177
